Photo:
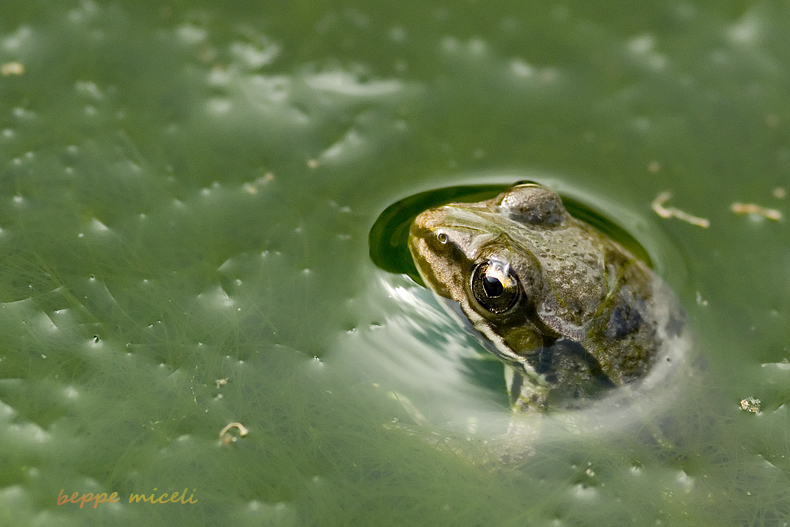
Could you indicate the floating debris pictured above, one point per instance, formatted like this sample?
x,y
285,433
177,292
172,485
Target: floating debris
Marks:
x,y
751,404
226,438
701,301
780,193
751,208
669,212
12,68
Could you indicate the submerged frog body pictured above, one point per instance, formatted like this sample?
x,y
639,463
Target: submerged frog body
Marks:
x,y
570,312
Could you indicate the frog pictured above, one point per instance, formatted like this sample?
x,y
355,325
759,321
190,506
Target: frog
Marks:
x,y
572,314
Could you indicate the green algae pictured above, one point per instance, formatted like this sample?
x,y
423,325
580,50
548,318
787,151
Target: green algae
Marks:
x,y
185,201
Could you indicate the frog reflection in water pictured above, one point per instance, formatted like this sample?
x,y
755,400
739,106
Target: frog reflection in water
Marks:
x,y
569,311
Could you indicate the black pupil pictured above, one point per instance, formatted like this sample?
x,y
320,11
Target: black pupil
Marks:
x,y
493,286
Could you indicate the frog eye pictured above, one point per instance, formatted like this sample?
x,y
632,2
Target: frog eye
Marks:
x,y
495,286
441,237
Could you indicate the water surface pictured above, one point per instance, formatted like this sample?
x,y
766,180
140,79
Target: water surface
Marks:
x,y
187,191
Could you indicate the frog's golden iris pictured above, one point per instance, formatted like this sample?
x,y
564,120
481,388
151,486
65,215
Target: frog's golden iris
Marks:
x,y
571,312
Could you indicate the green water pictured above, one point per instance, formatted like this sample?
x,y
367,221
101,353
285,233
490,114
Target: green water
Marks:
x,y
186,196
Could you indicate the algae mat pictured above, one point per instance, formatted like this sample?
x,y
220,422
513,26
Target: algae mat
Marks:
x,y
186,195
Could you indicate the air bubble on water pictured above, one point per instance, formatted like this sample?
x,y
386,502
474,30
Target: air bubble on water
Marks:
x,y
477,46
778,365
642,124
22,36
218,77
38,435
22,113
685,480
521,69
217,297
88,88
450,44
641,44
584,492
98,226
191,34
746,30
218,106
255,57
46,323
397,34
343,83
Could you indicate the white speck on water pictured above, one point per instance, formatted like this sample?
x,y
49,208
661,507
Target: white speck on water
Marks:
x,y
218,106
190,34
397,34
255,57
521,69
745,30
347,84
701,301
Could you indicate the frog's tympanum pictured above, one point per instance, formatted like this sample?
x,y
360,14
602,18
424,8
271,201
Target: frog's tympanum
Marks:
x,y
569,311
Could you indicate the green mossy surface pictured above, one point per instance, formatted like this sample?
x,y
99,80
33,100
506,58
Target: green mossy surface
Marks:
x,y
186,191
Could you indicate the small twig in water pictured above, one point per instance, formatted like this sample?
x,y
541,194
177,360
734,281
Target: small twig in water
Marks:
x,y
669,212
226,438
751,208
